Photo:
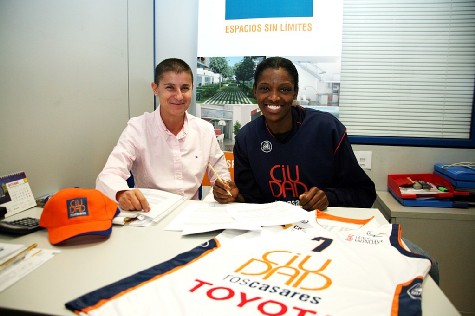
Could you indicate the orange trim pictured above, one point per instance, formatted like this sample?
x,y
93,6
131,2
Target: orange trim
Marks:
x,y
104,301
323,215
399,238
395,305
397,294
339,143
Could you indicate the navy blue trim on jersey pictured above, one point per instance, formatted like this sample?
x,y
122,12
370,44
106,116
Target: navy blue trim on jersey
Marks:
x,y
395,242
111,290
410,299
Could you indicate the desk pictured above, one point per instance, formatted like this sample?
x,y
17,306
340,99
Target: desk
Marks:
x,y
80,269
448,234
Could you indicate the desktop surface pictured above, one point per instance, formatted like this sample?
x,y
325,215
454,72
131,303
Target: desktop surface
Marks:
x,y
79,269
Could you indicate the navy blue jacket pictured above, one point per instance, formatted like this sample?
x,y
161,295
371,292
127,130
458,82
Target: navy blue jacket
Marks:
x,y
317,153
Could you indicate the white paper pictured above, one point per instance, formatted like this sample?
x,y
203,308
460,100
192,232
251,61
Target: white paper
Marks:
x,y
219,222
161,204
269,214
16,271
205,217
202,216
176,223
9,250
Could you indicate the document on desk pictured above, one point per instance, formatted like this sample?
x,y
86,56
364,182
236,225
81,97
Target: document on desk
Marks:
x,y
17,269
202,216
161,204
269,214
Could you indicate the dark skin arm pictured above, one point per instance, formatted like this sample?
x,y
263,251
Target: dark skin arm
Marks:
x,y
311,200
314,199
226,192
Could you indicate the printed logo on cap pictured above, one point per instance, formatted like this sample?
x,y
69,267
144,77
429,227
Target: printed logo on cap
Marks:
x,y
77,207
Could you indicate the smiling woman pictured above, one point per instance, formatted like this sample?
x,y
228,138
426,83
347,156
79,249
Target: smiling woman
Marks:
x,y
275,90
301,156
167,149
173,86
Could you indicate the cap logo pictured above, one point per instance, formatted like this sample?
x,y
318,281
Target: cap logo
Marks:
x,y
77,207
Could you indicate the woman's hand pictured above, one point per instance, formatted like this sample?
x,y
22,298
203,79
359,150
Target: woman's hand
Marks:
x,y
132,200
314,199
226,192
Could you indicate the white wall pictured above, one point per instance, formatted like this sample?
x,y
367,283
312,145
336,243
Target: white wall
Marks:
x,y
73,72
401,160
141,64
66,85
176,26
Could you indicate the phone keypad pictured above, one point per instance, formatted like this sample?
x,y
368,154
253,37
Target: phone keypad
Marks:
x,y
20,226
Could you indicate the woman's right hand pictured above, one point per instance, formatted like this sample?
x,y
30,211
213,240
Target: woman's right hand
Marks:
x,y
226,191
132,200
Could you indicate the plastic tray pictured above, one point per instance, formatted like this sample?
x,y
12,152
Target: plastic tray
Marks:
x,y
457,173
398,182
424,202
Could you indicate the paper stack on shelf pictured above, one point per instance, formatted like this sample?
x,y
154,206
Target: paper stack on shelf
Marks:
x,y
462,177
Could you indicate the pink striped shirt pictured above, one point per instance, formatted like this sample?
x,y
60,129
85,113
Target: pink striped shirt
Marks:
x,y
160,160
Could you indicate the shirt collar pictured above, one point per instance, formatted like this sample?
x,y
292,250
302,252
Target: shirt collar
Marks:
x,y
298,115
163,128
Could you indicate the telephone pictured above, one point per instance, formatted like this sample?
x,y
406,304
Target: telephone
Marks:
x,y
20,226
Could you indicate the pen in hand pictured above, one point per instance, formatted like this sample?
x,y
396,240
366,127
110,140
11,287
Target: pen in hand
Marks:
x,y
19,256
218,177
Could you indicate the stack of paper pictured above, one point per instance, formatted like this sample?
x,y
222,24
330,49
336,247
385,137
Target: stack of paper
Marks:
x,y
161,204
16,261
199,216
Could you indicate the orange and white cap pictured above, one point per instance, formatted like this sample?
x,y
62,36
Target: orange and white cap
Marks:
x,y
75,212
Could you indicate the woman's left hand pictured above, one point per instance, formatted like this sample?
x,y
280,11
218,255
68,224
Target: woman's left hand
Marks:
x,y
314,199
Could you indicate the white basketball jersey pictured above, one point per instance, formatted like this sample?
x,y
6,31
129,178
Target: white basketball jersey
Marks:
x,y
298,272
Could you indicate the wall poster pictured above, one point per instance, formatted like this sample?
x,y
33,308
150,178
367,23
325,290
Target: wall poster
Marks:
x,y
235,35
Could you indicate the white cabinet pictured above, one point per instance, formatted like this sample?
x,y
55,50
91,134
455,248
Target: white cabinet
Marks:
x,y
448,234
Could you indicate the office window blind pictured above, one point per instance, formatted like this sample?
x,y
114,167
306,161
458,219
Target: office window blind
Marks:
x,y
408,68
